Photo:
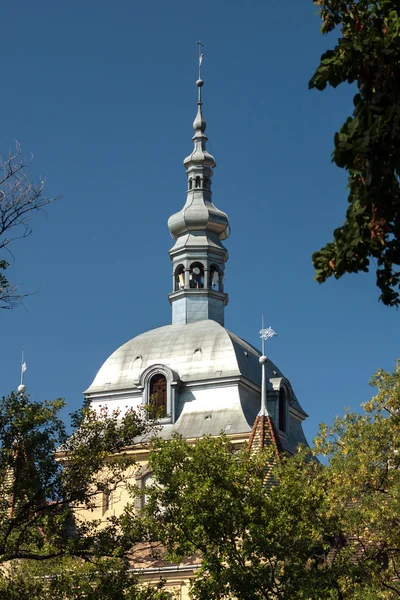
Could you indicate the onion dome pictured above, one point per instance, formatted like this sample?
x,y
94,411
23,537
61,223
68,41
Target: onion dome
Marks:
x,y
199,213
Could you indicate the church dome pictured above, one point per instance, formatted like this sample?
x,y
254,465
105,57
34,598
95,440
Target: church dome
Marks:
x,y
201,378
199,351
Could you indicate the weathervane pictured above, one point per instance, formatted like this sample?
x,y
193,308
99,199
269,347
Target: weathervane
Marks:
x,y
200,45
265,334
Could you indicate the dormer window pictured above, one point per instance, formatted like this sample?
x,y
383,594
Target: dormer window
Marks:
x,y
158,397
198,182
158,383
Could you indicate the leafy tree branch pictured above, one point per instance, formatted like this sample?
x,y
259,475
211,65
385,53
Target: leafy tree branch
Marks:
x,y
367,54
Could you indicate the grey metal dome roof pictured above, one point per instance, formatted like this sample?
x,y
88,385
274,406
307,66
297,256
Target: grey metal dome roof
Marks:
x,y
199,213
200,216
198,351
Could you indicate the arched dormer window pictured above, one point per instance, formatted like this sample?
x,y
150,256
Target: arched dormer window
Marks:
x,y
159,385
179,278
198,181
190,183
196,277
282,410
214,281
158,397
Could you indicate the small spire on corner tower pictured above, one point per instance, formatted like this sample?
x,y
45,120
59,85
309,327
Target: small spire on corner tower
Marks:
x,y
265,334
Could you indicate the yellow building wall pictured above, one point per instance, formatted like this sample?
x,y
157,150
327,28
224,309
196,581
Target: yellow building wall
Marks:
x,y
177,577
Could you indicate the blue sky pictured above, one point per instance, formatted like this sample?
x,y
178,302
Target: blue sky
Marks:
x,y
104,96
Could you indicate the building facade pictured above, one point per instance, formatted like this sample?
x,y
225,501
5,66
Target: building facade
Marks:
x,y
201,378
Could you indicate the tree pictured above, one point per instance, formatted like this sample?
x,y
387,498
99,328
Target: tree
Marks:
x,y
364,488
321,532
367,53
47,477
21,199
71,579
210,501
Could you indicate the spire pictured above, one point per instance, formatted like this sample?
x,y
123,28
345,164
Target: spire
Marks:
x,y
198,255
264,433
200,158
199,124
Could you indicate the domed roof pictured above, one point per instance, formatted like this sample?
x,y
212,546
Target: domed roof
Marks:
x,y
198,351
201,216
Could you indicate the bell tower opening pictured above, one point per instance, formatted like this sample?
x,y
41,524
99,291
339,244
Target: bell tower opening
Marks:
x,y
196,277
179,278
215,278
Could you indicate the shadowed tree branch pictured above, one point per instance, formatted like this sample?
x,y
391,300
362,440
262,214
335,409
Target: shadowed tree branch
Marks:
x,y
21,198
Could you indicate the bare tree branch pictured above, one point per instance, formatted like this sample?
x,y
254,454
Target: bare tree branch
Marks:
x,y
21,198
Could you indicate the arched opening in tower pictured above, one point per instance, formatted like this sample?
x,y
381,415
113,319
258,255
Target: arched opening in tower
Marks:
x,y
196,276
179,278
214,281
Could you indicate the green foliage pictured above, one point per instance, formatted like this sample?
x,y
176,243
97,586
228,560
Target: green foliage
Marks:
x,y
364,487
367,146
153,411
47,478
210,500
73,580
322,532
39,492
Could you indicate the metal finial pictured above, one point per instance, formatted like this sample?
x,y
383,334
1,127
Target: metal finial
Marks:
x,y
21,387
200,45
265,334
199,82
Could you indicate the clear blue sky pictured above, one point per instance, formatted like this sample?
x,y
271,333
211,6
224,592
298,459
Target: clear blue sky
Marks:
x,y
103,93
